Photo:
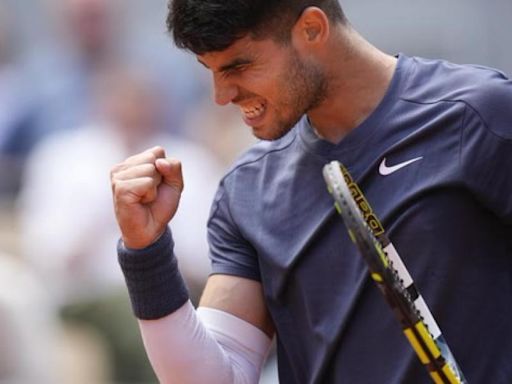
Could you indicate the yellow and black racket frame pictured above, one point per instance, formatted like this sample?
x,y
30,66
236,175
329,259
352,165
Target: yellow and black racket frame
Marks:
x,y
391,276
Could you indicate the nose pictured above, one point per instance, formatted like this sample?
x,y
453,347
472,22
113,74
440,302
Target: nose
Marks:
x,y
224,90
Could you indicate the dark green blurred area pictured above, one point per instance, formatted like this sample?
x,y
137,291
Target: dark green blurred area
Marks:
x,y
111,319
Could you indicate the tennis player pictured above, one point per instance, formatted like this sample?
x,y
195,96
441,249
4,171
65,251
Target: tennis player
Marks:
x,y
429,142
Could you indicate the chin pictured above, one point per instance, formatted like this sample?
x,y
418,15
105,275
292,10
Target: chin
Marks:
x,y
271,133
268,136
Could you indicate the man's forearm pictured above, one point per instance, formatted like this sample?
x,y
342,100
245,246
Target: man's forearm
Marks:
x,y
214,347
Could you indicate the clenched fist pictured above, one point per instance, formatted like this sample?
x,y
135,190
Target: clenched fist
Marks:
x,y
146,189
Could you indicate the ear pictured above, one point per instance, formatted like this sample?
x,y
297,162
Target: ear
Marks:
x,y
311,29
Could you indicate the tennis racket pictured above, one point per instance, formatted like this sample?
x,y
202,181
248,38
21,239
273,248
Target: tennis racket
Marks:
x,y
391,276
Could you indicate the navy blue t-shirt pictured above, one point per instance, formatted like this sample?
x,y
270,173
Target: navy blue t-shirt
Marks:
x,y
449,215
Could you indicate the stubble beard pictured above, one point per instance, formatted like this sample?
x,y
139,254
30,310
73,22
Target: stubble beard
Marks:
x,y
303,88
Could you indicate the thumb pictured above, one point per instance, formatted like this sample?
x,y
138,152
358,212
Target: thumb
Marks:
x,y
170,169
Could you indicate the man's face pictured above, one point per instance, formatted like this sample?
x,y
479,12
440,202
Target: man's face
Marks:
x,y
270,82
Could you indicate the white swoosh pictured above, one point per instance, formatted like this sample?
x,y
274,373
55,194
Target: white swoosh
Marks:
x,y
384,170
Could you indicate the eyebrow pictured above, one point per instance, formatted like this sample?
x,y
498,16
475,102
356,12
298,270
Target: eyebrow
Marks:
x,y
231,65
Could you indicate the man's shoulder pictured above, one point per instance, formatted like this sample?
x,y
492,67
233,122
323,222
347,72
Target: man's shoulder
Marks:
x,y
486,91
254,174
255,158
434,80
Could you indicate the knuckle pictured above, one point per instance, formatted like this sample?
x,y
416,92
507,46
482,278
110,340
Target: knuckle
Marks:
x,y
117,189
150,168
150,157
158,151
116,169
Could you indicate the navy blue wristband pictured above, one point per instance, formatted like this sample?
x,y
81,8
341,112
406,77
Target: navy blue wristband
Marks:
x,y
154,282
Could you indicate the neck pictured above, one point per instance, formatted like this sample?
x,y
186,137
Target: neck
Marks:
x,y
358,76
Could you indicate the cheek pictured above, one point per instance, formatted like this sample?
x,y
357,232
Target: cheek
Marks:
x,y
269,83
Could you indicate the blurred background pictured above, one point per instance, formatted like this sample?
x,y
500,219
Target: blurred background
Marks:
x,y
86,83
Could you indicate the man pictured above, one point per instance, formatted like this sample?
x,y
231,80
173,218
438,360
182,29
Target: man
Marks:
x,y
316,91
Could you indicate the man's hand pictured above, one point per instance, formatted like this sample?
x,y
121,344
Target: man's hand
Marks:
x,y
146,189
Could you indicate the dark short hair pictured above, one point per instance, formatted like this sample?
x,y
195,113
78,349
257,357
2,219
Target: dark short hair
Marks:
x,y
213,25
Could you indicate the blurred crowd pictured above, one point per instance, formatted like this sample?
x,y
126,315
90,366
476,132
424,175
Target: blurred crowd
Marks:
x,y
85,84
91,83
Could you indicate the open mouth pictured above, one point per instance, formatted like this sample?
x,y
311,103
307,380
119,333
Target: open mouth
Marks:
x,y
253,113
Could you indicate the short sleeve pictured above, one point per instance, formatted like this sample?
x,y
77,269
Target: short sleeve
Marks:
x,y
486,148
230,252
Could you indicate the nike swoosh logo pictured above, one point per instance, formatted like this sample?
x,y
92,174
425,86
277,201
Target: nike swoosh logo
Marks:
x,y
384,170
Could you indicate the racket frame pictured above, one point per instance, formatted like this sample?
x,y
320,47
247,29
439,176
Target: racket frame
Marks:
x,y
391,276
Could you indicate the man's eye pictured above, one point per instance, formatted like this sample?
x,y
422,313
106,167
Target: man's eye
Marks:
x,y
240,68
236,69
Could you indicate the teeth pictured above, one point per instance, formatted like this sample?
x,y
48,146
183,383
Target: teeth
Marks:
x,y
254,111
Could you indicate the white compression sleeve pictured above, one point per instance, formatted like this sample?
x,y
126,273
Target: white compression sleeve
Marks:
x,y
209,346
